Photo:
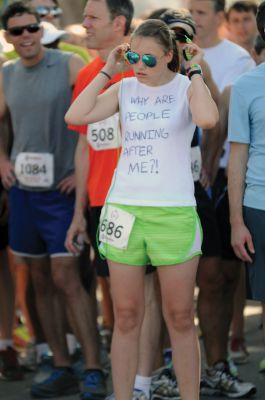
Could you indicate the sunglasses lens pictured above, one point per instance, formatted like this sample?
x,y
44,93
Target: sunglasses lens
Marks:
x,y
33,28
16,31
132,57
56,11
149,60
42,11
180,37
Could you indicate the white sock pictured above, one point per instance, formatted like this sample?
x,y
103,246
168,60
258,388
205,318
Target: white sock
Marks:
x,y
143,383
71,343
42,349
5,343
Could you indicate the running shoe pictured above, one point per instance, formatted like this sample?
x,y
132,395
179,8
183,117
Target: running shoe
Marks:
x,y
93,385
44,368
238,351
137,395
10,369
218,381
61,382
27,358
164,385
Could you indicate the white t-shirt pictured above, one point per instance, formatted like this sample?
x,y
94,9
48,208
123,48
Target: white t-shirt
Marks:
x,y
227,62
155,164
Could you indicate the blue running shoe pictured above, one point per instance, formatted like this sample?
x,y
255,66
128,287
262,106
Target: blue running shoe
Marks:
x,y
93,385
61,382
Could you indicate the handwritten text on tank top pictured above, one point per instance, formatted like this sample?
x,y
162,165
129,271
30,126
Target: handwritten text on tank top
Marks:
x,y
140,143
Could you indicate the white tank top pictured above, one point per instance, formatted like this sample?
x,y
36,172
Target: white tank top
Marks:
x,y
154,168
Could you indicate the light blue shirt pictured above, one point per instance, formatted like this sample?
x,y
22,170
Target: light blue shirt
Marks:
x,y
247,125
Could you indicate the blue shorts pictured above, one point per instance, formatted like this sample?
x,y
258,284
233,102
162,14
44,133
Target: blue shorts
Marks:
x,y
38,222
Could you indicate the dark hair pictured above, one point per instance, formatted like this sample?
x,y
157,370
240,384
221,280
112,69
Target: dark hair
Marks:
x,y
15,9
121,7
160,32
218,5
259,44
155,14
242,6
260,18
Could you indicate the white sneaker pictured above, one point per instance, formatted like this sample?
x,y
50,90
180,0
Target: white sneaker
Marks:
x,y
219,381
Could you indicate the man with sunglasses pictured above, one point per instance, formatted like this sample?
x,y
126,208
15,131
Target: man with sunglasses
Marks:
x,y
36,89
48,10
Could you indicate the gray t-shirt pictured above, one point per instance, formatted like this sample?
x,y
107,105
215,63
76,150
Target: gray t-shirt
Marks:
x,y
38,98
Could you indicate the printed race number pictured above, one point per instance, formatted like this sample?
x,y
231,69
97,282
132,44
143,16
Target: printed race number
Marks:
x,y
35,169
104,135
196,163
115,226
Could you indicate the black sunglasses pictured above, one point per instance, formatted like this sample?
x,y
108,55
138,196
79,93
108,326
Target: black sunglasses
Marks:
x,y
18,30
43,11
182,36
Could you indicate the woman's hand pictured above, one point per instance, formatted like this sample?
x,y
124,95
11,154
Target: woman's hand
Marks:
x,y
195,52
115,59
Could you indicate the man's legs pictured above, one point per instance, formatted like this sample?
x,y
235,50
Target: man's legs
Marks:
x,y
210,308
79,304
8,358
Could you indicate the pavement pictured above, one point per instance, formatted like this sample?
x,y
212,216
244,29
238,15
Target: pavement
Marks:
x,y
248,372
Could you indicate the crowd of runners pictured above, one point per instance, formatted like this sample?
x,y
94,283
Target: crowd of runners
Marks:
x,y
131,173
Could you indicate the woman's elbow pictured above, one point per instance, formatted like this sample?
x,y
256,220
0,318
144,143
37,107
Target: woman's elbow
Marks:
x,y
73,119
209,121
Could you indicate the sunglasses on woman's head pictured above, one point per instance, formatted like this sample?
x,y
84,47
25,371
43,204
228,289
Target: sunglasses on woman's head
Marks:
x,y
43,11
18,30
182,36
148,59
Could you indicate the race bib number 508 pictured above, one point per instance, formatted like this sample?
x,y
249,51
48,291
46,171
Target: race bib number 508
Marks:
x,y
115,226
105,135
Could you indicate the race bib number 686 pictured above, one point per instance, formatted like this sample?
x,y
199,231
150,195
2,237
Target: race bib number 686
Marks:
x,y
115,226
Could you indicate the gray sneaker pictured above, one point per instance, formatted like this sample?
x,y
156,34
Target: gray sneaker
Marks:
x,y
164,385
219,381
137,395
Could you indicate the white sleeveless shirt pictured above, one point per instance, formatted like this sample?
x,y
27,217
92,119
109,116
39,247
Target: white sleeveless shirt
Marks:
x,y
154,168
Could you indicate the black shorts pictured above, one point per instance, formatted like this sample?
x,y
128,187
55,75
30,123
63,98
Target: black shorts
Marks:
x,y
92,228
3,228
211,246
255,276
220,197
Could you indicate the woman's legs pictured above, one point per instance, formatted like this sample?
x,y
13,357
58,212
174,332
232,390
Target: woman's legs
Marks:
x,y
177,291
127,289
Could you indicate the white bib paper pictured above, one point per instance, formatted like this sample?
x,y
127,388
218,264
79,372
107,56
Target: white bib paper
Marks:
x,y
196,162
35,169
115,226
104,135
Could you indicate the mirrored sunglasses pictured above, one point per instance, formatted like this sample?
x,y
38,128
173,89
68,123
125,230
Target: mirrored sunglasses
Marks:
x,y
18,30
148,59
43,11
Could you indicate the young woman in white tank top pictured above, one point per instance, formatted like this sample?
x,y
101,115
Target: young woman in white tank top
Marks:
x,y
150,214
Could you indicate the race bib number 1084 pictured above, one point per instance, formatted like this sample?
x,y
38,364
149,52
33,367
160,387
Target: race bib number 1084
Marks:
x,y
35,169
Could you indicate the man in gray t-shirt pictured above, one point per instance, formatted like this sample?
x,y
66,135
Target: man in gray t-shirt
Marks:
x,y
36,90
